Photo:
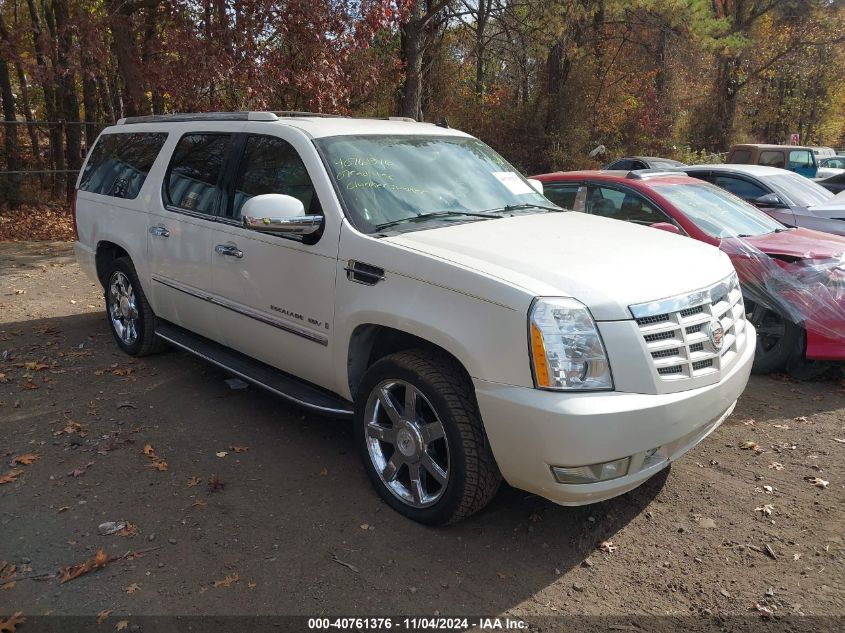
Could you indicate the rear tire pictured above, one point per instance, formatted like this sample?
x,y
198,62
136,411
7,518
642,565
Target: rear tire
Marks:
x,y
421,438
802,368
130,317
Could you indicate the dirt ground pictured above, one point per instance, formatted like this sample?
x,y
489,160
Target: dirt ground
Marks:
x,y
245,505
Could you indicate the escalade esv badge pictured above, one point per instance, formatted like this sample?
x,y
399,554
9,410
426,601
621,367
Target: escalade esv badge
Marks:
x,y
716,334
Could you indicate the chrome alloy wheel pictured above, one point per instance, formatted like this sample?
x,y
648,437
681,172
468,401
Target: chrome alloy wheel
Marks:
x,y
407,443
123,309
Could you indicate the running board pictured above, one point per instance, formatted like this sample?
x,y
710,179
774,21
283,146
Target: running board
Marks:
x,y
260,374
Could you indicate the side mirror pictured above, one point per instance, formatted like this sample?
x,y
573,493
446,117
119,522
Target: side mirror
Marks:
x,y
666,226
537,184
279,214
769,200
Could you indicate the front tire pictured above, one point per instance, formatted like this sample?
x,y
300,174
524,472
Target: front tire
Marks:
x,y
130,317
777,338
421,438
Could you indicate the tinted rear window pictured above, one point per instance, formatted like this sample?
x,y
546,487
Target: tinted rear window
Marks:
x,y
193,181
119,163
741,157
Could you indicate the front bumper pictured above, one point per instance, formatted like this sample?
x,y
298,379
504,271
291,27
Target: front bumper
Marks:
x,y
532,430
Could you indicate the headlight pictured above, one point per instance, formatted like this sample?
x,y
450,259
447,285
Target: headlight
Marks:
x,y
566,349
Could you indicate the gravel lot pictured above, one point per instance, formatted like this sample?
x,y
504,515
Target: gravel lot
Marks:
x,y
244,505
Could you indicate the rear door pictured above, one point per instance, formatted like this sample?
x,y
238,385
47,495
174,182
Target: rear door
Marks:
x,y
278,291
181,227
803,162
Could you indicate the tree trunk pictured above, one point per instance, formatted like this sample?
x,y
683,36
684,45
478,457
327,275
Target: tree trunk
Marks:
x,y
123,39
67,88
58,127
9,186
412,56
89,98
718,121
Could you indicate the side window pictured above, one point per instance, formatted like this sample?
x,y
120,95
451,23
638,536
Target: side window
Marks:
x,y
624,205
272,165
742,188
561,195
800,159
193,179
119,163
741,157
772,159
623,164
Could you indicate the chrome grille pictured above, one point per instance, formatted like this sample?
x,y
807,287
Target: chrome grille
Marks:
x,y
676,331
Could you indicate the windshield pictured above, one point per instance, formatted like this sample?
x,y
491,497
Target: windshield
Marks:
x,y
802,191
388,179
716,212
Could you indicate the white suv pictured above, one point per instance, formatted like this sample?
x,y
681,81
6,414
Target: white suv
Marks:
x,y
404,274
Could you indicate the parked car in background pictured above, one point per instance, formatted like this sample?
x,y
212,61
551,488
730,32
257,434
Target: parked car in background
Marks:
x,y
681,204
823,152
404,275
801,160
644,162
787,197
834,184
830,166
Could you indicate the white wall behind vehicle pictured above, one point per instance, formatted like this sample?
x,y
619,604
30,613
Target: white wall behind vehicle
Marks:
x,y
606,264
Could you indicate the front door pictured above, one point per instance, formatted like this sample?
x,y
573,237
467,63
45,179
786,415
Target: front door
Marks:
x,y
181,227
278,291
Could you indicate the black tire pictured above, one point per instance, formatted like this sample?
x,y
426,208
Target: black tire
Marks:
x,y
777,338
473,477
802,368
145,341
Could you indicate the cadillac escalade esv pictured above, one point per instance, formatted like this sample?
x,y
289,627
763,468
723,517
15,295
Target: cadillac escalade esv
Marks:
x,y
405,275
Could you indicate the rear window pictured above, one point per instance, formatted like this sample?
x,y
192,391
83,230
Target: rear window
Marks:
x,y
119,163
772,159
741,156
194,177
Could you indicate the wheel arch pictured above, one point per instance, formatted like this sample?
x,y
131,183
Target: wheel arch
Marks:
x,y
370,342
106,253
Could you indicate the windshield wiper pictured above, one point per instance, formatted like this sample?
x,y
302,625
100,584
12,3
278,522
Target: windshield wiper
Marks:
x,y
509,208
436,214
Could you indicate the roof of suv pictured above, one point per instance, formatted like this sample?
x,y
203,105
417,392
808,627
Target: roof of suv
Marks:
x,y
751,170
313,124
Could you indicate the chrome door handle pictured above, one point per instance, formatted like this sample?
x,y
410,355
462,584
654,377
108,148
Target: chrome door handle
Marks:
x,y
159,231
230,250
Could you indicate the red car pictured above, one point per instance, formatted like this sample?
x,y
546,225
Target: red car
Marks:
x,y
793,279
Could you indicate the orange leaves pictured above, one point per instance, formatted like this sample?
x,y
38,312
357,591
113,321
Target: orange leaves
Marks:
x,y
215,484
100,560
7,625
133,588
7,575
122,372
10,476
239,449
194,481
102,615
25,460
228,581
155,461
72,427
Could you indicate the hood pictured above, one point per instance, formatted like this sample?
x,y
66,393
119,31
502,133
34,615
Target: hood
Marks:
x,y
797,244
606,264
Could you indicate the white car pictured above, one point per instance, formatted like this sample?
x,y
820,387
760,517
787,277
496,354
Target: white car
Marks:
x,y
405,275
829,167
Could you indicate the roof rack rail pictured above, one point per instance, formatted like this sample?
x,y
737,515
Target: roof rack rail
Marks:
x,y
306,113
640,174
200,116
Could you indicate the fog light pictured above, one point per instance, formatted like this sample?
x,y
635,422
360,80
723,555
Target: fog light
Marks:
x,y
592,474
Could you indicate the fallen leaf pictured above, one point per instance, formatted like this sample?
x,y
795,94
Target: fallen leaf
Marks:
x,y
123,372
836,439
324,472
3,378
252,585
215,484
8,585
130,530
29,385
221,453
102,615
750,445
199,503
193,481
133,588
802,418
25,459
534,517
749,422
817,481
227,581
121,626
768,489
10,476
158,464
239,449
100,560
781,426
766,510
776,466
796,556
501,575
607,546
763,610
149,451
7,625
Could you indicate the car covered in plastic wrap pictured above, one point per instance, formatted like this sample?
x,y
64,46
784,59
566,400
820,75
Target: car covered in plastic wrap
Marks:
x,y
793,279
